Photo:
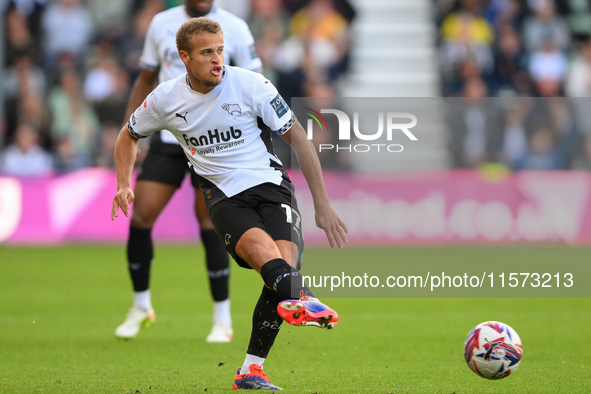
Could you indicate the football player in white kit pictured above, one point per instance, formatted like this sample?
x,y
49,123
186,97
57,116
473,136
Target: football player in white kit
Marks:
x,y
212,110
165,166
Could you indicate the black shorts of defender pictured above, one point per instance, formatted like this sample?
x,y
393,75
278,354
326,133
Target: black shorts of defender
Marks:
x,y
167,164
267,206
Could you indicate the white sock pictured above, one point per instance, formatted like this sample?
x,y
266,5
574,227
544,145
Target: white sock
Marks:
x,y
250,359
142,299
221,312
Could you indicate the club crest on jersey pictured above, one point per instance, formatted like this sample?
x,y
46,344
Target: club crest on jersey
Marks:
x,y
183,117
231,108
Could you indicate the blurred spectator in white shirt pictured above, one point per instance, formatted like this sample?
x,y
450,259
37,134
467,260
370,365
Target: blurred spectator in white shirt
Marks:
x,y
547,67
67,28
25,157
578,82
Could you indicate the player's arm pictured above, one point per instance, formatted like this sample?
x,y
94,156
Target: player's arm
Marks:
x,y
143,85
125,155
326,218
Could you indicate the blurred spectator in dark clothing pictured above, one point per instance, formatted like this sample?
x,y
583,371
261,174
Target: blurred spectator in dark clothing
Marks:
x,y
500,13
24,87
454,83
510,62
19,39
32,10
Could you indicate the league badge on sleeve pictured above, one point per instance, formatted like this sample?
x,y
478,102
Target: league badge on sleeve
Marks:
x,y
253,52
141,108
279,105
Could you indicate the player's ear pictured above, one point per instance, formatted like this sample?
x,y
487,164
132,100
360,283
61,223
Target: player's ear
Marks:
x,y
184,56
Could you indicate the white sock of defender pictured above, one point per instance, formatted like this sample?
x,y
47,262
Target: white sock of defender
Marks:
x,y
142,299
221,312
250,359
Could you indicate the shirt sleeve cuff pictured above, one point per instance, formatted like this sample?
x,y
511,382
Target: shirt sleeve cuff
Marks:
x,y
287,126
133,133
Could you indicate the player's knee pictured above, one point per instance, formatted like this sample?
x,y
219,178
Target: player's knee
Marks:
x,y
204,220
142,219
256,247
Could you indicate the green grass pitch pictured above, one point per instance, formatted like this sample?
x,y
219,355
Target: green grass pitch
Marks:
x,y
59,307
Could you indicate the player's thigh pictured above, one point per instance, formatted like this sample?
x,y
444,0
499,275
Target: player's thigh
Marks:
x,y
256,247
232,219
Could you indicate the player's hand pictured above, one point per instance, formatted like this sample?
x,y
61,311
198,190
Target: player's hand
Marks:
x,y
336,231
122,199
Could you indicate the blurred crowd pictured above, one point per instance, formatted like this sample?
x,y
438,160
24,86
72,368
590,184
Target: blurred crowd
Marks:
x,y
521,72
516,74
69,66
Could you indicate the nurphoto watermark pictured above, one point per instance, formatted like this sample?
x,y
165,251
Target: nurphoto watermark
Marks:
x,y
393,125
367,126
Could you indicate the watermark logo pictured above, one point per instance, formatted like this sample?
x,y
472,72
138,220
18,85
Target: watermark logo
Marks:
x,y
389,125
315,116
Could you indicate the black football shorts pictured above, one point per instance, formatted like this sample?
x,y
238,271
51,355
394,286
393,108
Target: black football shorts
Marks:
x,y
267,206
168,166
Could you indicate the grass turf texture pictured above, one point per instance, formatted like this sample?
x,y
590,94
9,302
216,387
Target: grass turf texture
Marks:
x,y
59,307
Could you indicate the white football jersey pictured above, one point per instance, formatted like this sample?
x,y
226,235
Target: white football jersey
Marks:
x,y
161,54
219,130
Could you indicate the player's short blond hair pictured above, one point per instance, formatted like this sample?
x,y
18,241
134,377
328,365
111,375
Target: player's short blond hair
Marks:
x,y
195,26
